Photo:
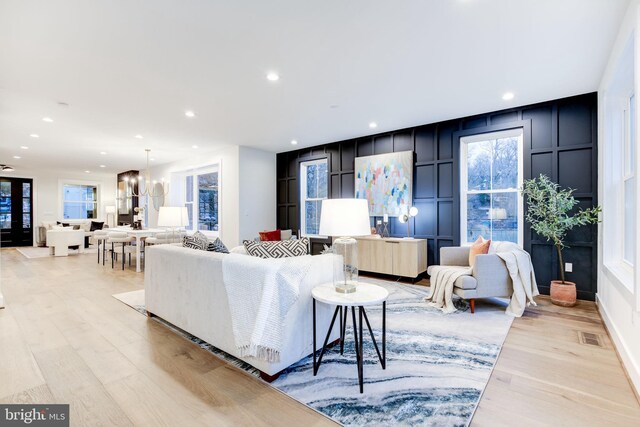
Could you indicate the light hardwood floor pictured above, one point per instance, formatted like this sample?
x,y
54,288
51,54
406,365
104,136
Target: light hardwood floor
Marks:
x,y
65,339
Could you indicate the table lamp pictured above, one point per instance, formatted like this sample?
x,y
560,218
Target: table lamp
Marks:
x,y
173,217
344,219
404,218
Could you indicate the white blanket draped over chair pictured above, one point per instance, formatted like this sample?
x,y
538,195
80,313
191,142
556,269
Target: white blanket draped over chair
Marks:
x,y
449,279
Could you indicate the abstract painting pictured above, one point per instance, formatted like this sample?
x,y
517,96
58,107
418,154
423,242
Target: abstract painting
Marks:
x,y
385,180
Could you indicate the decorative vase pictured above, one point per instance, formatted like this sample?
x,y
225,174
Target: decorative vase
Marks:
x,y
563,294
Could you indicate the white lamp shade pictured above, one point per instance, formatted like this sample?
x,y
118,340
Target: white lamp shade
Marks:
x,y
173,216
110,209
345,217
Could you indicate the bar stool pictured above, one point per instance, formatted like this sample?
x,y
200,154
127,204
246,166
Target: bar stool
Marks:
x,y
100,236
121,238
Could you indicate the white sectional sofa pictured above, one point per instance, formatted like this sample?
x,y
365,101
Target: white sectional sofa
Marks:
x,y
185,287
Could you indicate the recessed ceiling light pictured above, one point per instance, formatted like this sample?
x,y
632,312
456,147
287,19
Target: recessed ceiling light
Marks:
x,y
189,113
152,159
194,146
102,153
24,147
508,96
373,125
273,77
294,142
34,135
103,166
139,136
87,171
17,157
47,119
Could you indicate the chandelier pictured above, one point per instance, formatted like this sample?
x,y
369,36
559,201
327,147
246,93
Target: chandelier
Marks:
x,y
150,187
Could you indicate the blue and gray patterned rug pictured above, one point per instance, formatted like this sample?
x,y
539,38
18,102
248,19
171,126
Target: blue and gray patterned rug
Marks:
x,y
437,365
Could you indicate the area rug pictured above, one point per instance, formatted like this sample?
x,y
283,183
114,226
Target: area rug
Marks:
x,y
34,252
437,365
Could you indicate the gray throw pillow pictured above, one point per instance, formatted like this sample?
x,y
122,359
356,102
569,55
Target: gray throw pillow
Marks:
x,y
217,246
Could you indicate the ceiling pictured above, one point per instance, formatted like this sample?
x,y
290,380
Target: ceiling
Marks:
x,y
127,68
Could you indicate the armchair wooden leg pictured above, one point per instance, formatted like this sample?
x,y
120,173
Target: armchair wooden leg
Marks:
x,y
473,305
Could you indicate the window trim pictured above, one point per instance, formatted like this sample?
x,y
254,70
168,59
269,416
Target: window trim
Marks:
x,y
61,201
178,181
628,173
464,191
302,193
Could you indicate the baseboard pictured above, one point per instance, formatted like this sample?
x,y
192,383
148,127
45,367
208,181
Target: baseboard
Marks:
x,y
631,368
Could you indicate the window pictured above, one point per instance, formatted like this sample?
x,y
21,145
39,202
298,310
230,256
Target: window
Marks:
x,y
628,251
201,197
313,189
491,175
80,201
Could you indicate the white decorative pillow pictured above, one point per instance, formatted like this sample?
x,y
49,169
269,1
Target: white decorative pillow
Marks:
x,y
239,250
286,234
278,249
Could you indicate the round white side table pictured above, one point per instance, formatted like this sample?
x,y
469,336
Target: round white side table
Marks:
x,y
366,294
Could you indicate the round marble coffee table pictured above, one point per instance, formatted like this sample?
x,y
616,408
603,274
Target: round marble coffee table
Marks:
x,y
366,294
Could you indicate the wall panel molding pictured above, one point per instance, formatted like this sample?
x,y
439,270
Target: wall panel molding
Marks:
x,y
560,141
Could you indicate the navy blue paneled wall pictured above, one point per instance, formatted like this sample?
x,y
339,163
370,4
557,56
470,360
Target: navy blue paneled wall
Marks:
x,y
560,139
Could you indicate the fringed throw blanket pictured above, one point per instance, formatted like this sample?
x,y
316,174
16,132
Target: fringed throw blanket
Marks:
x,y
442,279
260,293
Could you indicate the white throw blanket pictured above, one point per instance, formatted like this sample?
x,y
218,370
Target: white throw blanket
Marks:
x,y
520,268
260,293
442,279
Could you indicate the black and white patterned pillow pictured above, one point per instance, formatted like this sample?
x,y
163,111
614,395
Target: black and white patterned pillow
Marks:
x,y
278,249
217,246
196,241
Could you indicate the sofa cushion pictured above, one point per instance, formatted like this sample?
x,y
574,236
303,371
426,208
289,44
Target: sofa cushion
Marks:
x,y
281,249
64,224
95,225
269,236
196,241
466,282
286,234
217,246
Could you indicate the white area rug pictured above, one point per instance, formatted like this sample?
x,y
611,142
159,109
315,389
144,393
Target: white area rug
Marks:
x,y
32,252
437,365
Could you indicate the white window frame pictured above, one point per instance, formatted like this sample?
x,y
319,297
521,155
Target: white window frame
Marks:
x,y
303,193
179,180
61,185
464,191
628,173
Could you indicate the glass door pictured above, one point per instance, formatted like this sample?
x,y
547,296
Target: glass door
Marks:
x,y
16,212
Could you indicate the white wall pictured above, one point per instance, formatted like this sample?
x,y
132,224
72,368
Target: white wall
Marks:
x,y
257,192
247,190
618,295
47,192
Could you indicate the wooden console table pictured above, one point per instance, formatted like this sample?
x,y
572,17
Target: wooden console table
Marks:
x,y
396,256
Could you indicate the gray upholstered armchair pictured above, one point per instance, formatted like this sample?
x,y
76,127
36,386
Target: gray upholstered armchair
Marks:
x,y
490,277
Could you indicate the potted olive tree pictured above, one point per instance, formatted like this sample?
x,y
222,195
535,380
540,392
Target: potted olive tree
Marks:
x,y
549,212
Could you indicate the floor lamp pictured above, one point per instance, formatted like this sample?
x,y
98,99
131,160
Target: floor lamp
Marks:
x,y
173,217
345,218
